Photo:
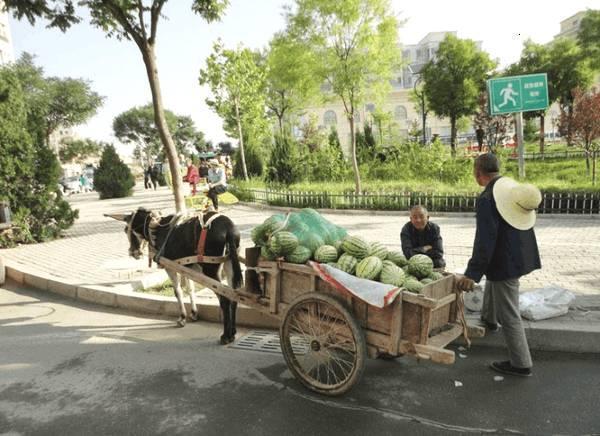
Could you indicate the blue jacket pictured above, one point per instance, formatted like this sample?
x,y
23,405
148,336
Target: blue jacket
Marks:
x,y
500,251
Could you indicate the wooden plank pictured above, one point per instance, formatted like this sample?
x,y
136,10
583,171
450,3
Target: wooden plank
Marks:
x,y
275,290
396,327
444,301
425,325
444,338
475,331
419,299
426,352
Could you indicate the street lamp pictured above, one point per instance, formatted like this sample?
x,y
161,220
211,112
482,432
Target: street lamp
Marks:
x,y
421,96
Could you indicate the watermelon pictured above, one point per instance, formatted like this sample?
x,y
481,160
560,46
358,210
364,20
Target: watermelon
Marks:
x,y
397,257
356,247
413,285
391,274
436,276
267,254
347,263
378,249
338,246
326,254
282,243
420,266
369,268
426,281
257,234
301,254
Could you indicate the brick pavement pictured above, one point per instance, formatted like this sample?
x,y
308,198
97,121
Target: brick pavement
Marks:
x,y
94,250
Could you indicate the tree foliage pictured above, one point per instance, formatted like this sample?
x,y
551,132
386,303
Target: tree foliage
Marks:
x,y
137,126
29,171
454,80
589,37
356,45
585,123
132,20
78,150
236,80
112,178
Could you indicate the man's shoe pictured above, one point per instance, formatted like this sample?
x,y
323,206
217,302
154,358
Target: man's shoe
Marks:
x,y
490,326
505,367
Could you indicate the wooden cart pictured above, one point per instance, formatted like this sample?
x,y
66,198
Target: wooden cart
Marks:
x,y
326,334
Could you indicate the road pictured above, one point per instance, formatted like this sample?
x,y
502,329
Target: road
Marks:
x,y
70,369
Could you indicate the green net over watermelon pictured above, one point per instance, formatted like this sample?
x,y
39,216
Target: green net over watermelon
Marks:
x,y
310,228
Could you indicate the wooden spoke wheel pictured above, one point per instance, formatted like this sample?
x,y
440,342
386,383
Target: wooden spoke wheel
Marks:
x,y
323,345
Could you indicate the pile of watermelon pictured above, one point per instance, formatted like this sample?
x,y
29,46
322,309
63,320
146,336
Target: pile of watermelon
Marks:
x,y
300,236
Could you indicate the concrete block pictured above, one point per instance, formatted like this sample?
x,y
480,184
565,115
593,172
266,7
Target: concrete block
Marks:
x,y
142,304
65,289
35,281
96,296
14,274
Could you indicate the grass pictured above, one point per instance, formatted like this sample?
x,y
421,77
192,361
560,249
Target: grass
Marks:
x,y
165,289
550,175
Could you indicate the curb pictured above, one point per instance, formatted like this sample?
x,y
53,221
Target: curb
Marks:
x,y
573,337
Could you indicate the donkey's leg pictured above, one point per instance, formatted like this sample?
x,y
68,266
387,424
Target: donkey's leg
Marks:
x,y
175,279
228,273
191,288
225,304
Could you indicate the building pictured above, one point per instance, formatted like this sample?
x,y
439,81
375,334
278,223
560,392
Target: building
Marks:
x,y
569,27
6,48
398,103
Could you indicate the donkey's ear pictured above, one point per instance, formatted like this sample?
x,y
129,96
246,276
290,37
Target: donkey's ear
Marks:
x,y
119,216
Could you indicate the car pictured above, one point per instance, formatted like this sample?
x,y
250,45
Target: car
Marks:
x,y
71,185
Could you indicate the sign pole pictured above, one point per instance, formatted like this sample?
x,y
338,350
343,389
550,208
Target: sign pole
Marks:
x,y
520,144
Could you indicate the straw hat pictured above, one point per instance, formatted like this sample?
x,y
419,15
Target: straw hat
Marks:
x,y
213,162
517,202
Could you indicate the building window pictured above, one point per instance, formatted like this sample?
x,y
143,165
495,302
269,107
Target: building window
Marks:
x,y
329,118
400,113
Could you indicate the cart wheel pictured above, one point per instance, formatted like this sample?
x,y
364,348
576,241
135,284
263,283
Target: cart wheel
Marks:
x,y
322,344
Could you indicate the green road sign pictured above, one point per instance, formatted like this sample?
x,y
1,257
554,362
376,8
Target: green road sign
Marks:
x,y
518,93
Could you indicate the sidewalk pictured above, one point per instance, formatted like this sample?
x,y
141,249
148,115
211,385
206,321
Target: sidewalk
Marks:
x,y
91,262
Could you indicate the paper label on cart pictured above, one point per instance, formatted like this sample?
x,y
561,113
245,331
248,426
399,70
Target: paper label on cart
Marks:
x,y
374,293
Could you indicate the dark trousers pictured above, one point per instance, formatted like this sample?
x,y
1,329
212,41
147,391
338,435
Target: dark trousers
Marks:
x,y
213,194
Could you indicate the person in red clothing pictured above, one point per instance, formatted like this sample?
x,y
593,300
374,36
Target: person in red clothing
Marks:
x,y
192,176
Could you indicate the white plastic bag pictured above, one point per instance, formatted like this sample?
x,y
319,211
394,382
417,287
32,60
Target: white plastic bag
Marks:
x,y
544,303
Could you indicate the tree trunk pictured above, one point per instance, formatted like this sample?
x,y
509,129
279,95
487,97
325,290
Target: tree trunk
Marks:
x,y
280,120
587,158
594,168
239,125
542,132
163,128
357,188
453,135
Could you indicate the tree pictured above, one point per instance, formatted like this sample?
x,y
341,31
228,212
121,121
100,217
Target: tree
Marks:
x,y
495,126
55,102
137,126
585,123
282,162
421,105
570,69
535,58
29,170
588,37
79,150
291,79
356,44
454,80
112,178
237,83
131,20
225,148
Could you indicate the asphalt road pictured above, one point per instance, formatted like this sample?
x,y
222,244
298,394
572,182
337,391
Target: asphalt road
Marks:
x,y
70,369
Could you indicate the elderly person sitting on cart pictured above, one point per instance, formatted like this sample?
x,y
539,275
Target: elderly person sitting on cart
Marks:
x,y
420,236
217,182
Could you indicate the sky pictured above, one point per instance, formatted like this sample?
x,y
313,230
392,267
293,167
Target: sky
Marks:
x,y
116,71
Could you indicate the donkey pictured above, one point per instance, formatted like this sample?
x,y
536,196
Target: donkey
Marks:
x,y
175,237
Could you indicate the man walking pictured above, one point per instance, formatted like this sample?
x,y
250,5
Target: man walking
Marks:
x,y
505,249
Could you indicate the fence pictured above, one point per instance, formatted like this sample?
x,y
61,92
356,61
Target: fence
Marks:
x,y
579,154
552,202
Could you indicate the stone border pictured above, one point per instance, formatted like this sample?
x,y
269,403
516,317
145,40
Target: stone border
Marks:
x,y
544,336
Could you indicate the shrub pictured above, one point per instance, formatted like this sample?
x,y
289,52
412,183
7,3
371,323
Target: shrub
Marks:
x,y
113,179
282,162
254,163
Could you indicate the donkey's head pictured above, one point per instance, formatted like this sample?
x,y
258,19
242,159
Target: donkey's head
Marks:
x,y
136,229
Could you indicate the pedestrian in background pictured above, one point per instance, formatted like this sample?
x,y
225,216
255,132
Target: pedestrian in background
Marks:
x,y
504,250
192,176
